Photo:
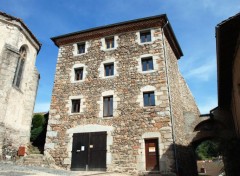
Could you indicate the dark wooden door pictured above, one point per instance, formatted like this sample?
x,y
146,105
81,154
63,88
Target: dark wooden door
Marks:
x,y
80,151
97,148
152,156
89,151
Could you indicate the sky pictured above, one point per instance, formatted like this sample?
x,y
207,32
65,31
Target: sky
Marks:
x,y
193,22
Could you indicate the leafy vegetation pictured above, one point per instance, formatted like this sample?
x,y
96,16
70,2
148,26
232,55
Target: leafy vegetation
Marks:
x,y
38,123
207,150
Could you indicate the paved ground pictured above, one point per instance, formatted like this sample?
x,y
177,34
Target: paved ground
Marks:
x,y
10,169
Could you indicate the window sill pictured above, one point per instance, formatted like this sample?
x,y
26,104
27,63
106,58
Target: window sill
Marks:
x,y
17,89
145,43
148,71
107,117
105,77
80,54
77,113
79,81
109,49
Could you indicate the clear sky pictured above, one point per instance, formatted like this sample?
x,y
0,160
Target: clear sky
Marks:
x,y
193,22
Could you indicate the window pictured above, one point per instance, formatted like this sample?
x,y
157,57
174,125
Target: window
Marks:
x,y
109,42
78,74
76,106
147,64
109,69
145,36
81,48
148,99
108,106
19,68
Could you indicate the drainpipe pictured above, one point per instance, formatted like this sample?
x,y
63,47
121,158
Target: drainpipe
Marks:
x,y
169,97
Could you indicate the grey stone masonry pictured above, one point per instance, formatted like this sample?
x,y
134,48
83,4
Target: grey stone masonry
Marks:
x,y
17,98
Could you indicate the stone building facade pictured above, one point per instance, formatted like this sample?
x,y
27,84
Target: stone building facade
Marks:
x,y
18,80
119,102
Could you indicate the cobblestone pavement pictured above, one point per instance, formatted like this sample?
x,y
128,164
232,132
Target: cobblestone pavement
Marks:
x,y
10,169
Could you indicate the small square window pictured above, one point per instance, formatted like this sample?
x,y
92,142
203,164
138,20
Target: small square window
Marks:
x,y
147,64
81,48
76,106
145,36
108,106
78,74
109,69
109,42
149,99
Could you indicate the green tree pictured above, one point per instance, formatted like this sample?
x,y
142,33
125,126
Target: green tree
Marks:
x,y
38,122
207,150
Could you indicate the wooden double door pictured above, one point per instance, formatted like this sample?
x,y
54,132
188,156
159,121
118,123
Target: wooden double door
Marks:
x,y
89,151
152,154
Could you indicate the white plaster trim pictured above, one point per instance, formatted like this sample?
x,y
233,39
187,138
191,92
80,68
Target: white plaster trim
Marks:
x,y
88,129
104,46
148,88
82,104
138,40
155,64
115,102
75,48
102,71
72,73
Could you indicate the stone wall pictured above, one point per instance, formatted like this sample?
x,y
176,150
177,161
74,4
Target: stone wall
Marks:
x,y
131,123
16,104
185,116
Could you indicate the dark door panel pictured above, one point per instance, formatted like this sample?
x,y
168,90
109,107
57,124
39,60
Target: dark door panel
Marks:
x,y
98,145
89,151
151,153
80,151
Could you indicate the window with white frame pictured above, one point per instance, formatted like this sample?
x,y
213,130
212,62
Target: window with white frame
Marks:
x,y
149,98
108,68
108,106
147,63
78,73
81,48
76,106
109,43
145,36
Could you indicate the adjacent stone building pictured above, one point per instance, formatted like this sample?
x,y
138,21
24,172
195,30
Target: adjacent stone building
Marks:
x,y
119,102
18,80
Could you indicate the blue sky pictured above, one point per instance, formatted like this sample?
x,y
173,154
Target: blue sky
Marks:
x,y
193,22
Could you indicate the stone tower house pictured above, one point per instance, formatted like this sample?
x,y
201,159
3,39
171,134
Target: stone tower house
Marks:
x,y
119,102
18,80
